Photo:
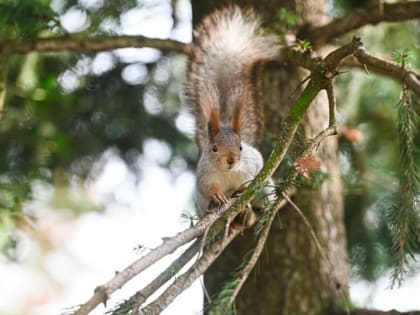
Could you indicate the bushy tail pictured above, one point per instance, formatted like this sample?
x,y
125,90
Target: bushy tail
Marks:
x,y
227,45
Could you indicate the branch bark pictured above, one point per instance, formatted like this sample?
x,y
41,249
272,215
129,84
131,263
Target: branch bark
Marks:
x,y
93,44
136,300
318,82
380,12
102,292
359,58
185,280
320,79
386,68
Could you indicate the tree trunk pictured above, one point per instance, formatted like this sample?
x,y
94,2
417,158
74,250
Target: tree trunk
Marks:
x,y
292,277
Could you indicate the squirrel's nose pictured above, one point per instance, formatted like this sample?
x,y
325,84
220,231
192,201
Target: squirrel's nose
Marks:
x,y
231,160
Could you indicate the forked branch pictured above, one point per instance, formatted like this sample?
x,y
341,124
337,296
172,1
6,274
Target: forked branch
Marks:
x,y
137,300
383,67
380,12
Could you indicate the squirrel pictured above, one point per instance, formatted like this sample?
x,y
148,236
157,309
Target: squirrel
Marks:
x,y
220,89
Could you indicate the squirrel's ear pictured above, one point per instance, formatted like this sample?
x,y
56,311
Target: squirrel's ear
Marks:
x,y
210,108
237,119
213,124
238,110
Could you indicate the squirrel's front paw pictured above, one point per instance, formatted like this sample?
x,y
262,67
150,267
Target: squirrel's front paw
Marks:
x,y
217,200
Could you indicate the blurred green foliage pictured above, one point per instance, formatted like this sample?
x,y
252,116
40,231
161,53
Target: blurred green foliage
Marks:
x,y
371,169
25,18
61,115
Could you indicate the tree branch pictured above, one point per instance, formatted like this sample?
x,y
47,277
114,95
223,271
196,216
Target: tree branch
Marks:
x,y
318,82
363,60
242,276
185,280
102,292
380,12
383,67
135,301
93,44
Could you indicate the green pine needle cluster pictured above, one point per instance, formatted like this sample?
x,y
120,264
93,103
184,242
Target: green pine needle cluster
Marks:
x,y
404,216
25,18
220,306
403,57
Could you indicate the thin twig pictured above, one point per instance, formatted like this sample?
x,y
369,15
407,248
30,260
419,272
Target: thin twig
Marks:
x,y
317,244
311,231
332,105
300,106
136,300
365,61
246,271
102,292
315,142
186,279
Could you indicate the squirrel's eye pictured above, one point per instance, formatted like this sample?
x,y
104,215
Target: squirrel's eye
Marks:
x,y
240,148
215,148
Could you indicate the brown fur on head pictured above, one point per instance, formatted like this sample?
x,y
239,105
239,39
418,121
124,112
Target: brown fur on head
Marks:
x,y
209,103
238,98
224,142
225,148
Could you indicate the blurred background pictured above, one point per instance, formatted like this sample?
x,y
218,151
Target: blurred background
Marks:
x,y
97,156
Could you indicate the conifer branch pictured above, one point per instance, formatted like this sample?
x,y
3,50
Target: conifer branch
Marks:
x,y
227,295
380,12
319,80
137,300
102,292
404,215
186,279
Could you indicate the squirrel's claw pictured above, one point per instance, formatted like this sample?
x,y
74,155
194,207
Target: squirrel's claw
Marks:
x,y
217,200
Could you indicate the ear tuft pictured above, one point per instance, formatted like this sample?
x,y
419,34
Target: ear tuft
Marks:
x,y
209,103
238,99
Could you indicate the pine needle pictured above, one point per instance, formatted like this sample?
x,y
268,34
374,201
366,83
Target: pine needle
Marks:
x,y
404,216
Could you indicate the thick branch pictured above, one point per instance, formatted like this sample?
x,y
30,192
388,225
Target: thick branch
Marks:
x,y
380,12
92,44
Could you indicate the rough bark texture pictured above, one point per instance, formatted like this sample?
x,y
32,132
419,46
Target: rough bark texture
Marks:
x,y
292,277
